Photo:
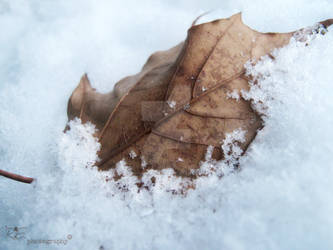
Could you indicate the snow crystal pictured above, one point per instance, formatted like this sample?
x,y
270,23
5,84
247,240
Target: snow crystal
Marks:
x,y
234,94
143,162
132,154
187,106
78,147
209,153
172,104
232,152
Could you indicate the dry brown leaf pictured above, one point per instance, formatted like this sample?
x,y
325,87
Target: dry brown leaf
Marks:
x,y
169,113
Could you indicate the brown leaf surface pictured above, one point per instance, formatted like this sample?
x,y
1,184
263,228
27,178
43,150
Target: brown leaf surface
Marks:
x,y
178,105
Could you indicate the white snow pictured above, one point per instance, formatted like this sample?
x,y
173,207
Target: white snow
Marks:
x,y
280,199
233,94
132,154
172,104
78,147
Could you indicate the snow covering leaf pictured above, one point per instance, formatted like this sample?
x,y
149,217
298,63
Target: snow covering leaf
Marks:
x,y
180,103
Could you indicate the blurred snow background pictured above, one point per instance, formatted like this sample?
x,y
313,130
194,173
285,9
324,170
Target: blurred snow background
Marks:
x,y
282,198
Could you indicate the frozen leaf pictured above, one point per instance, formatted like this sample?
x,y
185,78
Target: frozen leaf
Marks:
x,y
179,104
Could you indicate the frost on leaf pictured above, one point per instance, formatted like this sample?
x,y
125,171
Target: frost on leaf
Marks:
x,y
132,154
234,94
172,104
185,95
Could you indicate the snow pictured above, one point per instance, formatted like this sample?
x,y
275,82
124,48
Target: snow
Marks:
x,y
280,199
78,147
233,94
171,104
132,154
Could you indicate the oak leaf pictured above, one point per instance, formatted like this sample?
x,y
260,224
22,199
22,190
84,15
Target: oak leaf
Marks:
x,y
180,103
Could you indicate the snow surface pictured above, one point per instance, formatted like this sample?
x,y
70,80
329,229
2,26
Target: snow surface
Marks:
x,y
281,198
